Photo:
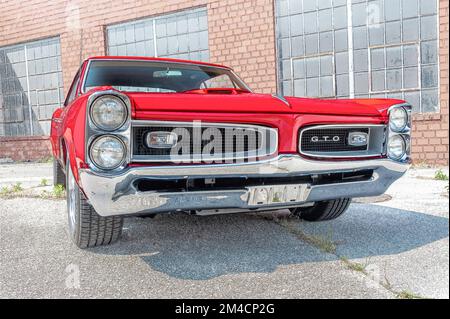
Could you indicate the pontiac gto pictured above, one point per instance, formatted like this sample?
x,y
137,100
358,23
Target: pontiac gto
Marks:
x,y
142,136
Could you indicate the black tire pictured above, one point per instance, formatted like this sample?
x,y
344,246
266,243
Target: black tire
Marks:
x,y
325,210
59,177
86,227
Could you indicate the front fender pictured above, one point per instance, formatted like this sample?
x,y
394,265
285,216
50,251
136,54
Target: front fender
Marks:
x,y
74,126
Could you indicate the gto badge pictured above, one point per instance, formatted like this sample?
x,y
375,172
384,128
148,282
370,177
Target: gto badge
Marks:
x,y
358,138
325,138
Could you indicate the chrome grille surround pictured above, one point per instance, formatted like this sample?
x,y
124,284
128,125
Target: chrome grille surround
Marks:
x,y
267,142
376,145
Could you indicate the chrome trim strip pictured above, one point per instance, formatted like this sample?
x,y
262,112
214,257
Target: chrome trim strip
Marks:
x,y
260,153
342,154
114,194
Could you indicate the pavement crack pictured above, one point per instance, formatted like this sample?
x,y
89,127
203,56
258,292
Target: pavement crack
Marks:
x,y
329,246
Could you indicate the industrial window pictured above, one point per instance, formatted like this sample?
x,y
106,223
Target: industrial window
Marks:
x,y
182,35
31,87
375,48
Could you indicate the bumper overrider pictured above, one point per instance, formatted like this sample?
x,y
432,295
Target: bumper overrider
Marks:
x,y
116,193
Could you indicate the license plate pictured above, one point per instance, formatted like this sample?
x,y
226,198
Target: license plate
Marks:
x,y
278,194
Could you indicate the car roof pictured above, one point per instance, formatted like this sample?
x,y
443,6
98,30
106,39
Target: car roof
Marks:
x,y
168,60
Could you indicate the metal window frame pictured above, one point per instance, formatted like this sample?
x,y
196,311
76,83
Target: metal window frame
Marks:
x,y
24,46
153,20
350,73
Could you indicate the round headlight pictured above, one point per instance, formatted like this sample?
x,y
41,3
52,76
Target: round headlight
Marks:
x,y
108,113
398,119
108,152
396,147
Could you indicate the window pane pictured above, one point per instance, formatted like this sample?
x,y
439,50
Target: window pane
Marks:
x,y
376,34
341,62
410,8
428,28
325,20
326,65
312,87
312,67
394,79
394,57
393,32
326,42
429,52
410,30
297,46
359,37
340,40
300,87
326,86
410,55
411,78
299,69
361,83
377,59
310,22
430,101
430,76
296,25
378,82
392,10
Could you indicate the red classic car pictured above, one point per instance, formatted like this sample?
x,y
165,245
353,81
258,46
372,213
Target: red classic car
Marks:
x,y
143,136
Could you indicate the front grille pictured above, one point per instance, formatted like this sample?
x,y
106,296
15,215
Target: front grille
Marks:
x,y
328,140
230,141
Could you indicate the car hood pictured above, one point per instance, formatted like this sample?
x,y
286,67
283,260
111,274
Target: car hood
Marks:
x,y
257,103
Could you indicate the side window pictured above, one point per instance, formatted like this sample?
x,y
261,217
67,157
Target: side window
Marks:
x,y
73,89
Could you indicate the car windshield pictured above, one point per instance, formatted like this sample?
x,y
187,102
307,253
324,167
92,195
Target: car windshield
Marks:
x,y
155,76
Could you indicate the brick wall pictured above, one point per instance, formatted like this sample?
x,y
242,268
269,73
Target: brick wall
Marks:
x,y
430,131
241,35
27,148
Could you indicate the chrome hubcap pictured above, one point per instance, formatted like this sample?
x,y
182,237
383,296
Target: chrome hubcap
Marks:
x,y
71,197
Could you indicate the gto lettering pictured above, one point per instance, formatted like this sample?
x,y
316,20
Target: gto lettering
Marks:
x,y
325,138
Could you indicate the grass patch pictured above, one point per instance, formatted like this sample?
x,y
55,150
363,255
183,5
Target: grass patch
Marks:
x,y
404,294
440,176
355,266
325,244
58,191
5,191
17,187
44,182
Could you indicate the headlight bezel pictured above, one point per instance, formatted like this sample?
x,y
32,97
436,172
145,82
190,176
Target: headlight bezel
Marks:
x,y
407,126
98,125
404,133
120,164
404,148
92,132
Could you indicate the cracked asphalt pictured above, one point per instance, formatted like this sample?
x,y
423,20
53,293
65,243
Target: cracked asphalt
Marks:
x,y
399,246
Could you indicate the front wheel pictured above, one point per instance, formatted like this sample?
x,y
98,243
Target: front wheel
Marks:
x,y
325,210
86,227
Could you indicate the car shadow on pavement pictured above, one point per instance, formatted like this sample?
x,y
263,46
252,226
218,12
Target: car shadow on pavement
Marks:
x,y
203,247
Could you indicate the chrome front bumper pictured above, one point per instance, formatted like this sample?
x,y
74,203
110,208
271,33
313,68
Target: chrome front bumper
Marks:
x,y
114,194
